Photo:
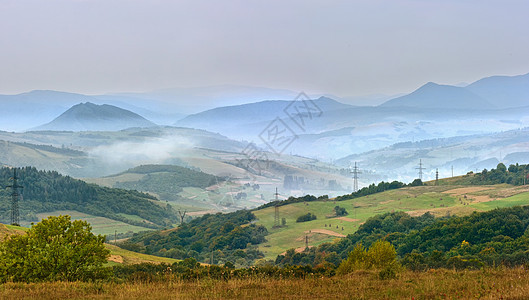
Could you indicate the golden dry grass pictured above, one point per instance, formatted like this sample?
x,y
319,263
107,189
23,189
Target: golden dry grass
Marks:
x,y
437,284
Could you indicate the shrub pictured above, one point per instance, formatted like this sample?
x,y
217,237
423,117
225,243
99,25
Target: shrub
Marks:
x,y
306,218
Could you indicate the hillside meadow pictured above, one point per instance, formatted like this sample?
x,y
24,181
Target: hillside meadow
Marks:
x,y
442,200
433,284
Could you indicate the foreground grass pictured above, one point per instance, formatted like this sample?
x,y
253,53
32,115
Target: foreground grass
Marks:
x,y
435,284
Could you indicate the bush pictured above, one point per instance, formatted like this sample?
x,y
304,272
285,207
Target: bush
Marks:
x,y
380,256
306,218
340,211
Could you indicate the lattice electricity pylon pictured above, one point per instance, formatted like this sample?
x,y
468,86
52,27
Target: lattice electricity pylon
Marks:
x,y
355,171
276,211
15,220
420,168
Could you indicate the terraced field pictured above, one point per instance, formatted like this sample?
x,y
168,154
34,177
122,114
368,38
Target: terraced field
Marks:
x,y
439,200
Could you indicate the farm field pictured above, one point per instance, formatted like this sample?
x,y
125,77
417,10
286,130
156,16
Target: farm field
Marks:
x,y
435,284
100,225
439,200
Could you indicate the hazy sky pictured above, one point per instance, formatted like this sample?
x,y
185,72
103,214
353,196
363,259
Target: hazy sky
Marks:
x,y
346,48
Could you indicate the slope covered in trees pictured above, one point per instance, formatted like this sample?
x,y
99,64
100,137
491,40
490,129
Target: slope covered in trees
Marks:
x,y
226,237
47,191
167,180
514,174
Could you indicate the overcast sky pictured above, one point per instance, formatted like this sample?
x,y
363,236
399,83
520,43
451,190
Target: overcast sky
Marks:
x,y
345,48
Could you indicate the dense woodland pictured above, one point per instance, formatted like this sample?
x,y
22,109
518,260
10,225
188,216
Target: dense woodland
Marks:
x,y
220,237
167,180
47,191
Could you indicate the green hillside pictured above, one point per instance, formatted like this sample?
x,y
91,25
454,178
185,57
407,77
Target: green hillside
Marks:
x,y
187,188
167,181
48,191
440,201
213,237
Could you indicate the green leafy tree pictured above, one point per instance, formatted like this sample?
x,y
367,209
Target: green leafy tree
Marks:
x,y
340,211
380,256
54,249
356,260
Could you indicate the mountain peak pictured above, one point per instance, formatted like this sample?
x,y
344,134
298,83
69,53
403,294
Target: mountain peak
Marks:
x,y
88,116
433,95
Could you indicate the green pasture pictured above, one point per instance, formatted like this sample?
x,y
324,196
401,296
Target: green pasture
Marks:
x,y
414,200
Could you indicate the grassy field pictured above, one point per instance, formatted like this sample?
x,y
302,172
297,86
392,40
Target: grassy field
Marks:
x,y
122,256
440,200
100,225
435,284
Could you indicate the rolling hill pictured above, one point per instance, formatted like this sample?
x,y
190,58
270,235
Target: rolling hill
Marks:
x,y
48,191
471,152
92,117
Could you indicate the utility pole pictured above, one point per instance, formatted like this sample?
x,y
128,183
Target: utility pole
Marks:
x,y
452,171
306,242
14,199
420,168
436,176
355,173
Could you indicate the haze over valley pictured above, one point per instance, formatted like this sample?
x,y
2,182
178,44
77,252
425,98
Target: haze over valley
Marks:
x,y
264,149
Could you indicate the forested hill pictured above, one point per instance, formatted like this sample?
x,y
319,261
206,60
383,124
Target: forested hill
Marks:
x,y
48,191
217,237
514,174
166,180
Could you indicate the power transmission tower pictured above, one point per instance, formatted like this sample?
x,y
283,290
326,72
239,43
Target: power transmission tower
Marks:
x,y
14,199
182,216
436,176
276,211
355,173
452,171
420,168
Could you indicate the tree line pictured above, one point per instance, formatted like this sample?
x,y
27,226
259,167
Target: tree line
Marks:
x,y
47,191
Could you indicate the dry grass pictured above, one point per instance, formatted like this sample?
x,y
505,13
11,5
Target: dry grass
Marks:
x,y
438,284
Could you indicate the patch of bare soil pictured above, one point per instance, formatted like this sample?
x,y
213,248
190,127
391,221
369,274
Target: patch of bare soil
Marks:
x,y
347,219
328,232
116,258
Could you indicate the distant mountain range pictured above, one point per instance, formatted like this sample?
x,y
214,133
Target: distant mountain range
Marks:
x,y
92,117
323,128
487,93
432,95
